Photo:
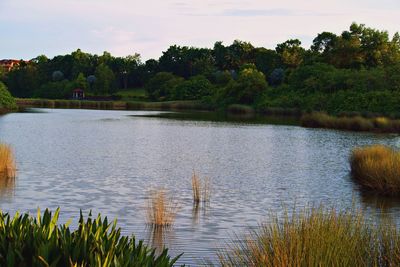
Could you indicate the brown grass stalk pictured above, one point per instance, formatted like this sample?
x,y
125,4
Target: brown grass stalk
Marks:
x,y
201,189
7,162
161,209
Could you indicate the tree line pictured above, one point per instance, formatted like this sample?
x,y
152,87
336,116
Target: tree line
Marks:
x,y
357,70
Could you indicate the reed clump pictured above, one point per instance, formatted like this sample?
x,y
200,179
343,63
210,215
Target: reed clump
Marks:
x,y
377,168
350,123
323,120
7,162
161,209
201,189
317,237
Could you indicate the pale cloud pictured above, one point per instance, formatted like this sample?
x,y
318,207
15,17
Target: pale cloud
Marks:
x,y
125,27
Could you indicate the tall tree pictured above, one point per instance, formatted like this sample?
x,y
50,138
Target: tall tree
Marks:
x,y
291,52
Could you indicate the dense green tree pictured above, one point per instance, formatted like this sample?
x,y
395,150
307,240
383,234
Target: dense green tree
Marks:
x,y
194,88
105,80
161,86
24,80
55,90
7,102
81,82
248,86
57,75
291,52
266,60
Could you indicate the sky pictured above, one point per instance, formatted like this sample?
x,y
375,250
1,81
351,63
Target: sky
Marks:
x,y
29,28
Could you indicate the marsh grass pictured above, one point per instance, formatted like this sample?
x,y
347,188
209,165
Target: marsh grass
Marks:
x,y
7,162
201,189
161,209
377,168
350,122
317,237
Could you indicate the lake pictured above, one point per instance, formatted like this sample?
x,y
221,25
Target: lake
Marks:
x,y
108,161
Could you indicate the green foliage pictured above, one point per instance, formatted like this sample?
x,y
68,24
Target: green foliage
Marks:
x,y
162,85
55,90
248,86
194,88
81,82
7,102
28,241
57,75
105,80
357,70
291,52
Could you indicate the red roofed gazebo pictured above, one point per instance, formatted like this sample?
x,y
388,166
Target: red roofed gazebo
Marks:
x,y
78,94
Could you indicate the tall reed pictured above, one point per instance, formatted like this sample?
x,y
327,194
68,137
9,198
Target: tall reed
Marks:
x,y
161,209
7,162
377,168
201,189
317,237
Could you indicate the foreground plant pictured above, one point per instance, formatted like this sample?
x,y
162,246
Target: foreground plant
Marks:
x,y
28,241
161,209
7,162
317,237
377,168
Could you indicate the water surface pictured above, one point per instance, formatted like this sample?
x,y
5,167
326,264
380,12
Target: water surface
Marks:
x,y
107,161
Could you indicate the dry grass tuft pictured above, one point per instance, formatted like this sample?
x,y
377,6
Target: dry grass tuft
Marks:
x,y
196,188
377,168
161,209
317,237
201,190
323,120
7,162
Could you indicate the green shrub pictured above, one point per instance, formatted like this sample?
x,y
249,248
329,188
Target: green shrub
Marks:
x,y
28,241
7,102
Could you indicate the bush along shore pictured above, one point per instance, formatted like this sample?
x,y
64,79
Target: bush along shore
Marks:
x,y
377,169
29,241
351,122
7,102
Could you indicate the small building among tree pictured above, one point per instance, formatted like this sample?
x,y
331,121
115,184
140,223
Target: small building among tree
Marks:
x,y
78,94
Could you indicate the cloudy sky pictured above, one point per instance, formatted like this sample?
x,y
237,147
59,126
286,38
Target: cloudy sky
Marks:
x,y
33,27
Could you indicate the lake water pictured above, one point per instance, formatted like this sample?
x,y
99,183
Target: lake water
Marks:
x,y
107,161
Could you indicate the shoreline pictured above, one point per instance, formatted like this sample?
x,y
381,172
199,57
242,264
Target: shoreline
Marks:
x,y
320,120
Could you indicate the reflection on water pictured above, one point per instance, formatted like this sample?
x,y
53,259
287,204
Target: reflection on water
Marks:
x,y
200,208
106,161
7,187
382,203
160,237
225,117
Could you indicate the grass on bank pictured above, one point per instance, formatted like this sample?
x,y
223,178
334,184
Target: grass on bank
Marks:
x,y
377,168
161,209
351,123
317,237
132,94
29,241
7,162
